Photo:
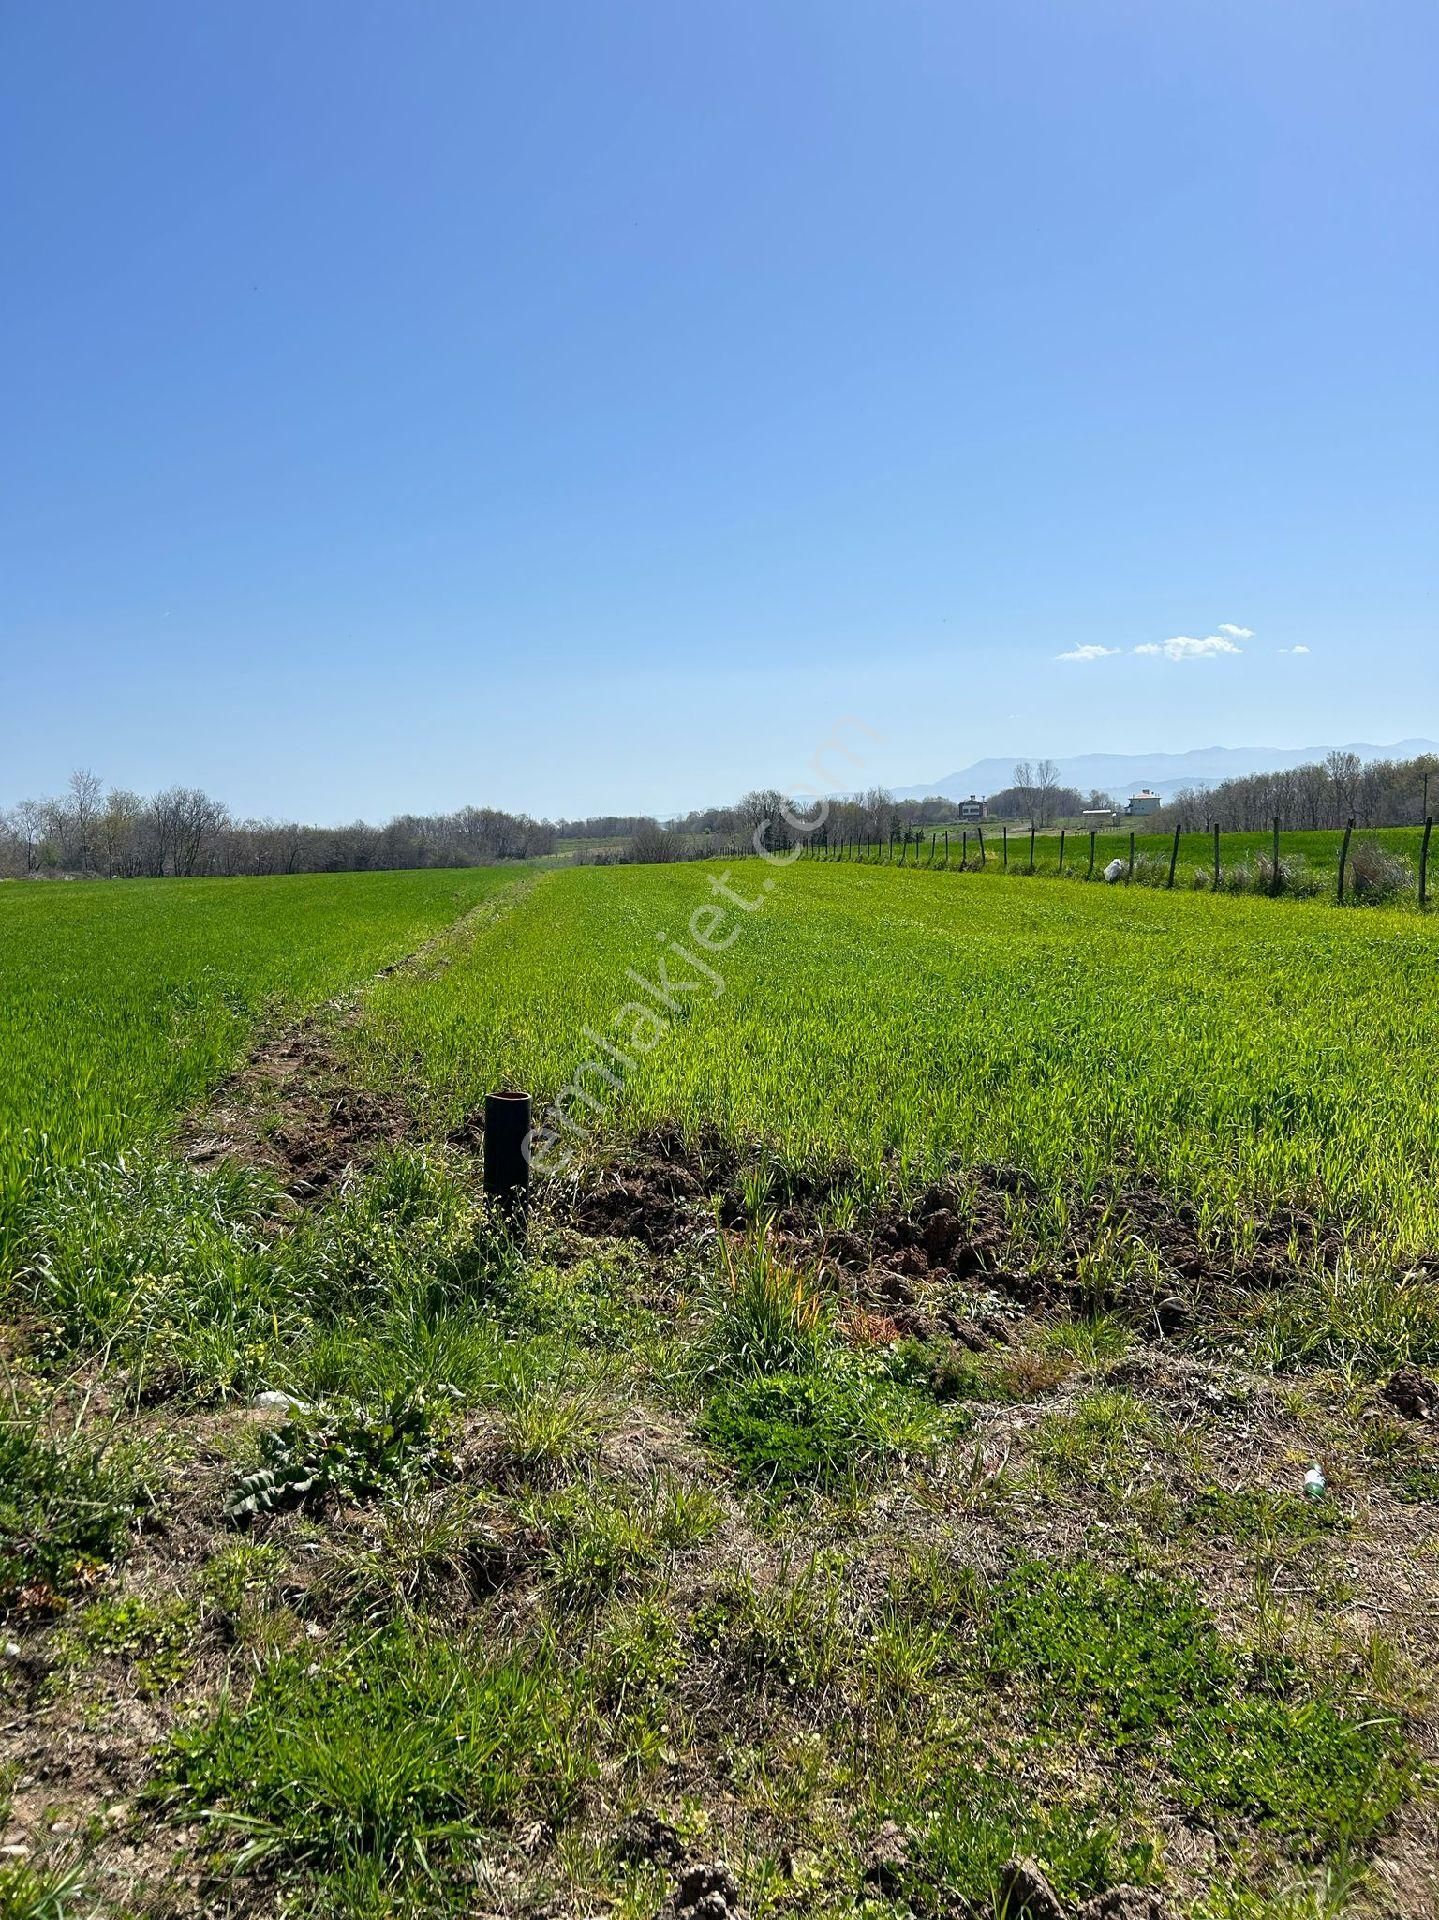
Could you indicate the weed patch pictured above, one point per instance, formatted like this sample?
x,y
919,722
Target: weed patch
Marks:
x,y
1258,1516
390,1758
1138,1663
65,1514
351,1452
964,1835
786,1431
153,1639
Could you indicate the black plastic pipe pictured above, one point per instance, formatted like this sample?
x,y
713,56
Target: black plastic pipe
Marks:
x,y
508,1120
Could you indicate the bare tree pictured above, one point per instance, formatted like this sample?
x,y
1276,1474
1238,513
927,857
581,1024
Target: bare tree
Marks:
x,y
1024,786
769,810
1344,770
181,823
1046,786
29,820
118,831
86,791
649,842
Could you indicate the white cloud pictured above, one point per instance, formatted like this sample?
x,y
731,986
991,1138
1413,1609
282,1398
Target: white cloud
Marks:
x,y
1237,633
1299,649
1184,647
1087,652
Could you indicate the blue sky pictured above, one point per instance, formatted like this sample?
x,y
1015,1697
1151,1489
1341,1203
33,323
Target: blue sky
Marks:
x,y
580,404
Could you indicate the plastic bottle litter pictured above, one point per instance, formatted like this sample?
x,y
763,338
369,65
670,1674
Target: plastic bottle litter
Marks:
x,y
1114,871
1315,1485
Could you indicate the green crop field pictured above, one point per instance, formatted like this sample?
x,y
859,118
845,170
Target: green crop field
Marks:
x,y
904,1023
952,1439
1320,850
1309,860
119,1005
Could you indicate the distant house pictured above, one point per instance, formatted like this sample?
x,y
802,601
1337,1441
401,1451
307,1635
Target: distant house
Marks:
x,y
973,809
1144,802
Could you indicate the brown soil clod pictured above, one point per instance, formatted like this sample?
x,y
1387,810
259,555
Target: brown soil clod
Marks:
x,y
886,1860
1411,1393
1025,1894
645,1839
1124,1903
707,1891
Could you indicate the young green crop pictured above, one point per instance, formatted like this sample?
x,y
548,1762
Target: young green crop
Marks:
x,y
899,1023
119,1004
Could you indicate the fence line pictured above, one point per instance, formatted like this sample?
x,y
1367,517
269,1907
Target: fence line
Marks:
x,y
940,856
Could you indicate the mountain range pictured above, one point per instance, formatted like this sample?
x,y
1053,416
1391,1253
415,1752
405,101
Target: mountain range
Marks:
x,y
1124,773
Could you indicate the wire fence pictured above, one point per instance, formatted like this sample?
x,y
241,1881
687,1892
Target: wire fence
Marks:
x,y
1383,865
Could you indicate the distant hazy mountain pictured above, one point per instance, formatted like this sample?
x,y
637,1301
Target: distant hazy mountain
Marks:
x,y
1124,773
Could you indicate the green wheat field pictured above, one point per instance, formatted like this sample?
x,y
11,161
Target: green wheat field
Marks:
x,y
878,1471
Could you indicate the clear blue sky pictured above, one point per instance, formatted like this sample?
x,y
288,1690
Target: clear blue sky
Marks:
x,y
578,404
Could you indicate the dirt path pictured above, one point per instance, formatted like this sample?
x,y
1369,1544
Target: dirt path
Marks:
x,y
294,1107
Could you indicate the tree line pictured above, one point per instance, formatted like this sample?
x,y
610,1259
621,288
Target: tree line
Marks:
x,y
89,830
1323,793
185,832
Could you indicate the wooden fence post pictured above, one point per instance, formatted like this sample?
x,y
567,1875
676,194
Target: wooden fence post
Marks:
x,y
1274,880
932,839
1424,863
1004,843
1344,856
980,832
964,851
1174,856
1131,853
1216,856
1090,874
1031,846
946,849
1061,851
